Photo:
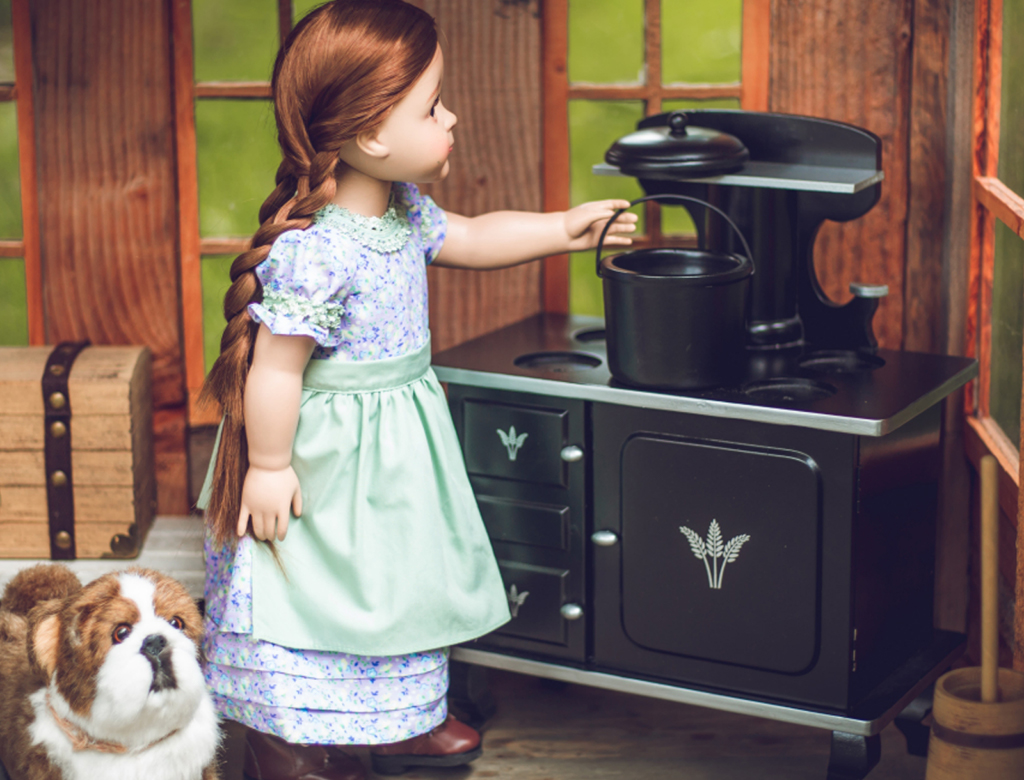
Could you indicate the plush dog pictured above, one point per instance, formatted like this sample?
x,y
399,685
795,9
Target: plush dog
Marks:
x,y
103,681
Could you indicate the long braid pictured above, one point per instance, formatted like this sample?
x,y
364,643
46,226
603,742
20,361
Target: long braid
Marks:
x,y
337,75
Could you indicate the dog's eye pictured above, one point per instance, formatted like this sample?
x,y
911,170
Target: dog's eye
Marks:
x,y
121,633
178,623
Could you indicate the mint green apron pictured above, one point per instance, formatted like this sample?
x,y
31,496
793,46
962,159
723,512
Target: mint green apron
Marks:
x,y
390,555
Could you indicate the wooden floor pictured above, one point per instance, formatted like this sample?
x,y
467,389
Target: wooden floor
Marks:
x,y
546,731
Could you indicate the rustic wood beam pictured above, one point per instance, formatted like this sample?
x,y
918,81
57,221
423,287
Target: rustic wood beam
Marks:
x,y
755,68
233,90
188,210
1001,201
12,248
223,246
8,92
653,94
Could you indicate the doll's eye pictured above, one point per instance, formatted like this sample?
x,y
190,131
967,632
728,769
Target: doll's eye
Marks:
x,y
121,633
434,107
178,623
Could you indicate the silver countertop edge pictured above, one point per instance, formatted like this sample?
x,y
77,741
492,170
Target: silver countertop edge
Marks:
x,y
715,701
703,406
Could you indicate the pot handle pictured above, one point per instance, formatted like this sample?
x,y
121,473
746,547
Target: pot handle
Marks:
x,y
673,196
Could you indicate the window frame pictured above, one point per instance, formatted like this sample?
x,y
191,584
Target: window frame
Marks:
x,y
991,199
193,247
28,246
752,91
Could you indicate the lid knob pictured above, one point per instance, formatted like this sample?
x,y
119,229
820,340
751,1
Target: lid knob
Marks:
x,y
677,122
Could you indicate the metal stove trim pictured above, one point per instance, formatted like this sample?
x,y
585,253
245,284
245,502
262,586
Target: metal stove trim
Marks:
x,y
715,701
703,406
779,176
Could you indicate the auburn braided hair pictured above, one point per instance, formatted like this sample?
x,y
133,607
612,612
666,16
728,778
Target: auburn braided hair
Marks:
x,y
338,74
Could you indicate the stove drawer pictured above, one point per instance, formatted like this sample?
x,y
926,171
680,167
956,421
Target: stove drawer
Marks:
x,y
525,522
536,597
523,443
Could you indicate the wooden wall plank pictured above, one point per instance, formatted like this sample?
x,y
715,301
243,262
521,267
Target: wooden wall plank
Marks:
x,y
555,45
106,163
952,544
923,320
756,53
492,83
851,62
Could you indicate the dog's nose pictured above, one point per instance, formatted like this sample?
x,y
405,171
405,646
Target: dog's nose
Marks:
x,y
153,644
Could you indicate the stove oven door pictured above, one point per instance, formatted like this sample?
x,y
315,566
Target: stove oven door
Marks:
x,y
710,553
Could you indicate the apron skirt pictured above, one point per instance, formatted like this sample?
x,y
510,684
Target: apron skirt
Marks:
x,y
388,564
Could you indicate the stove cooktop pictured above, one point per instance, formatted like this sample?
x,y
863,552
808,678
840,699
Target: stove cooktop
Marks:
x,y
565,356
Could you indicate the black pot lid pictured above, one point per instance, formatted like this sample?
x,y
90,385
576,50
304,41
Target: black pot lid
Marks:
x,y
677,149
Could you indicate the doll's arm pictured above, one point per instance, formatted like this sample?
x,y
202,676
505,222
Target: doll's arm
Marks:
x,y
272,394
504,238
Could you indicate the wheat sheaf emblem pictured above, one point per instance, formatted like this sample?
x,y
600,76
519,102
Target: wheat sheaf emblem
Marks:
x,y
714,550
511,441
516,599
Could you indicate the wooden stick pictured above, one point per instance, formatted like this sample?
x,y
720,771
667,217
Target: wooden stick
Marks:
x,y
989,580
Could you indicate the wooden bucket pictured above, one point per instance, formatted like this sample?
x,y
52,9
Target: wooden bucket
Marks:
x,y
972,740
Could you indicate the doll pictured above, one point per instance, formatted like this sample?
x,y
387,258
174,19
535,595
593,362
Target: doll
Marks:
x,y
345,551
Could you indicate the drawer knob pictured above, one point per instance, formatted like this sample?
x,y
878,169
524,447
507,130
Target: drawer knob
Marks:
x,y
572,453
571,611
604,538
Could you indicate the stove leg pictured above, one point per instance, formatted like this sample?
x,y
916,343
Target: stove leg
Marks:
x,y
909,722
852,756
469,694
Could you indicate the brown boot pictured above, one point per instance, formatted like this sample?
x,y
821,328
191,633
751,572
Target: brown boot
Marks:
x,y
450,744
271,758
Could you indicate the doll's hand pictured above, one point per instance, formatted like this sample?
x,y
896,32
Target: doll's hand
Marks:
x,y
585,223
267,495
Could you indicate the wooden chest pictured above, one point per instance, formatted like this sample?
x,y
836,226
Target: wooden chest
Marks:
x,y
112,481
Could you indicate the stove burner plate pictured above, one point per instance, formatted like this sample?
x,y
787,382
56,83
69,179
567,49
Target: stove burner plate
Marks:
x,y
557,361
788,390
840,361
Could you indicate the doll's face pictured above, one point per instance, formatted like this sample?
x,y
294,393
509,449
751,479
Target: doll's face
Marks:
x,y
415,140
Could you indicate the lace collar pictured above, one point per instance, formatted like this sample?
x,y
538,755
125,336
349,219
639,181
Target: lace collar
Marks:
x,y
388,233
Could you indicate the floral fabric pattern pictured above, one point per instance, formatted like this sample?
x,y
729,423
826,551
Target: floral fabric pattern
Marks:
x,y
362,281
304,695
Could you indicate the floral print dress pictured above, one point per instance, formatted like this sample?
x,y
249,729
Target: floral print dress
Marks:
x,y
357,285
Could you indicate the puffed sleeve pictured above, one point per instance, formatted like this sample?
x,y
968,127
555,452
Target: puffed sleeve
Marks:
x,y
305,281
428,220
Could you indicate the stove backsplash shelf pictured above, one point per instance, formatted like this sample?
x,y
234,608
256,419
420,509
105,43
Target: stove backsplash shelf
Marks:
x,y
802,171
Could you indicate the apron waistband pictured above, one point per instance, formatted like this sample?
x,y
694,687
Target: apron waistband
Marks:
x,y
362,376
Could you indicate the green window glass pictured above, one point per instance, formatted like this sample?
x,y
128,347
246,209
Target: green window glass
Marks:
x,y
10,176
1008,274
606,41
235,40
216,280
13,303
593,126
302,7
1007,324
238,157
6,43
700,41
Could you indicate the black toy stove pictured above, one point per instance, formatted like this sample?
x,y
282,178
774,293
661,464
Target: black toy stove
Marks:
x,y
767,551
764,547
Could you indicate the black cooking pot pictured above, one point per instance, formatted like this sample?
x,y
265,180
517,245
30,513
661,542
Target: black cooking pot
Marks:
x,y
676,318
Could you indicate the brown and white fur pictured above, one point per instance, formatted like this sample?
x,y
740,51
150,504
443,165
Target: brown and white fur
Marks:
x,y
103,681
